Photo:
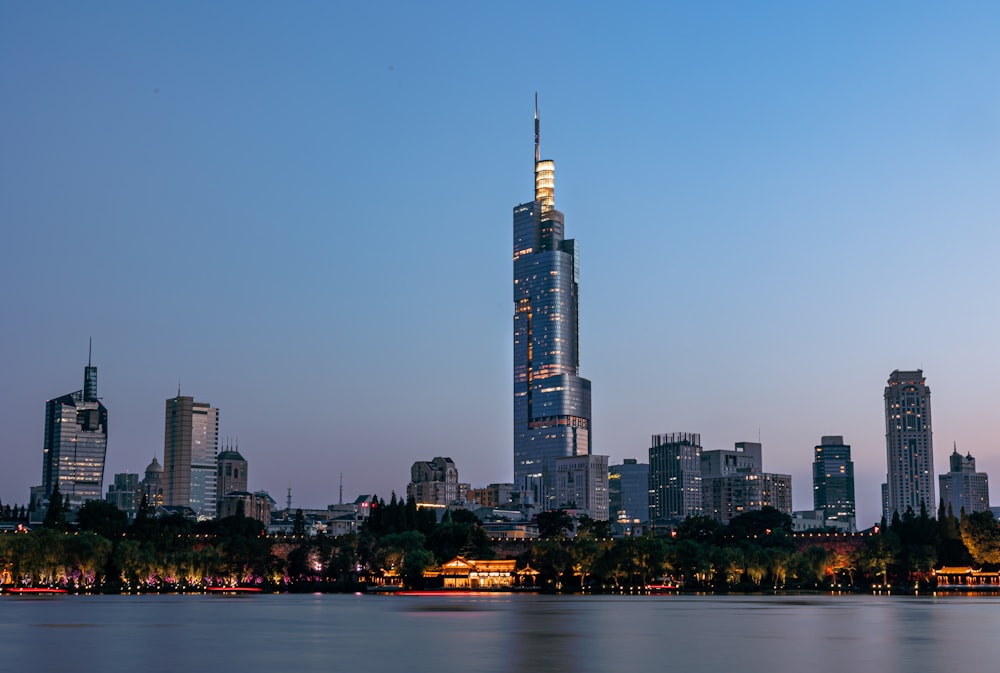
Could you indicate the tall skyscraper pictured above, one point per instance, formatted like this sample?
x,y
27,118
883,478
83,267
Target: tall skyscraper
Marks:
x,y
962,488
76,442
675,476
833,480
190,448
909,444
551,400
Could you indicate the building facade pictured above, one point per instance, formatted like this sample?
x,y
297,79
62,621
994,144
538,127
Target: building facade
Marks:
x,y
909,444
833,480
434,482
962,488
628,491
76,442
582,485
675,476
551,399
152,485
733,482
124,493
190,449
231,475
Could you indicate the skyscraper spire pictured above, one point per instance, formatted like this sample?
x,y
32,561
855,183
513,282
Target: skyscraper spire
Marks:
x,y
538,132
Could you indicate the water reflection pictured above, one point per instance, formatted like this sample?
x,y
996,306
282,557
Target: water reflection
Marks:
x,y
751,634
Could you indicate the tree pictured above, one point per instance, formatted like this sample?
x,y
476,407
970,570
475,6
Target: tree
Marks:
x,y
981,536
299,525
553,523
55,515
102,518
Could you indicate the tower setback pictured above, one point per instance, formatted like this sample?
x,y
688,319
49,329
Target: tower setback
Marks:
x,y
551,399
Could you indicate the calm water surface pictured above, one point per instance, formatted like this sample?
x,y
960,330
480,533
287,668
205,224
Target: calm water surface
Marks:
x,y
521,634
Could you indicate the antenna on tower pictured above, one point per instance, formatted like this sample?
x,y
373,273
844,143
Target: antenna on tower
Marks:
x,y
288,500
538,132
341,500
90,350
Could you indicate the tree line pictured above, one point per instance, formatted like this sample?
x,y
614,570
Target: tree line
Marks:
x,y
756,551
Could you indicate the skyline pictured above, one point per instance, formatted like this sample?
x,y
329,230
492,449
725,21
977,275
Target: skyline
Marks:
x,y
286,209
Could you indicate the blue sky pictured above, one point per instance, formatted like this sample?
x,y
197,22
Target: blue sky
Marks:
x,y
302,213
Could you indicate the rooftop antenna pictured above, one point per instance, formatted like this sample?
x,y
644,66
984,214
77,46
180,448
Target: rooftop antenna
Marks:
x,y
538,132
178,387
341,489
288,500
90,350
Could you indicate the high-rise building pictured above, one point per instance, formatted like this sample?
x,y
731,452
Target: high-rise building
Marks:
x,y
628,491
833,480
675,476
125,493
733,482
582,484
76,442
551,400
909,444
434,482
962,488
190,448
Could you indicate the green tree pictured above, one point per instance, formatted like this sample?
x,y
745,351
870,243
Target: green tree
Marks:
x,y
981,536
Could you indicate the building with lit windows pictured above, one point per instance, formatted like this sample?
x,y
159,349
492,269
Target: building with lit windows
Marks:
x,y
962,488
231,475
76,442
551,399
733,482
833,480
675,476
582,485
124,493
435,482
909,444
628,491
190,450
151,486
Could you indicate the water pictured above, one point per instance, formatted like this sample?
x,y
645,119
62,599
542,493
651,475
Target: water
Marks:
x,y
492,633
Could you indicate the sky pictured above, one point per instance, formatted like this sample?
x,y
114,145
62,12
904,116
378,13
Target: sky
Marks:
x,y
301,213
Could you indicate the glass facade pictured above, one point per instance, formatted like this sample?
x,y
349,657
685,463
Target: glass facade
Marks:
x,y
76,442
833,479
551,400
190,447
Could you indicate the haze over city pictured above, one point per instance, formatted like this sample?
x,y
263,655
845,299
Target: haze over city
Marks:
x,y
303,216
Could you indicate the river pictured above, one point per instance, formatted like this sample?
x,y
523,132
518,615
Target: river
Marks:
x,y
493,633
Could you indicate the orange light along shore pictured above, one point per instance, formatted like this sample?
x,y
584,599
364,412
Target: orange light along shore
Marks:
x,y
33,590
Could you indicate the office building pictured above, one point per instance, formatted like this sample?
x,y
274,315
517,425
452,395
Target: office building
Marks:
x,y
833,480
75,444
124,493
733,482
962,488
190,448
628,491
909,444
551,400
582,485
675,476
